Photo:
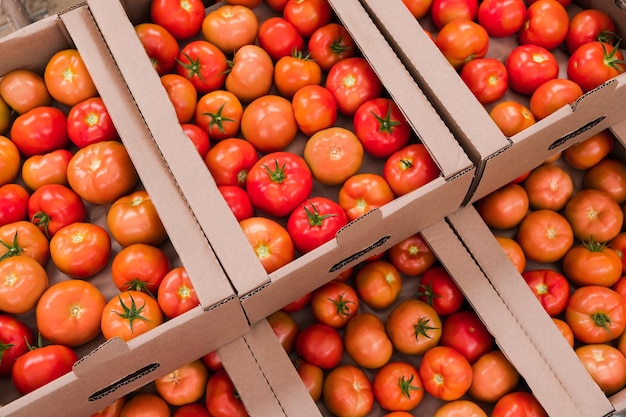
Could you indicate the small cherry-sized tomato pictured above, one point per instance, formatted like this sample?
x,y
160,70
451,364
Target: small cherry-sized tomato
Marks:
x,y
606,365
182,19
23,281
130,314
41,365
13,203
314,108
381,127
15,337
409,168
182,94
67,78
270,242
176,294
505,207
546,24
204,64
529,66
23,90
230,160
308,15
545,235
518,402
198,136
160,46
501,18
335,304
594,63
486,78
596,314
54,206
269,123
438,289
10,161
329,44
445,11
412,256
378,283
221,396
589,152
49,168
320,345
238,201
40,130
551,288
414,327
219,112
295,71
552,95
352,81
314,222
183,385
493,376
251,73
230,27
592,263
465,332
461,41
586,26
139,267
348,392
398,386
364,192
511,117
88,121
279,37
81,249
445,373
133,218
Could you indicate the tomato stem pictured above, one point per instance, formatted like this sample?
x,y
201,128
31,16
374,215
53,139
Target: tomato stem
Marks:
x,y
406,386
315,218
217,119
422,328
602,320
131,313
342,305
12,250
385,125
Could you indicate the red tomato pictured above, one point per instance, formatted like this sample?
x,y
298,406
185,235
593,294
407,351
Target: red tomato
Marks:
x,y
279,182
608,175
230,160
54,206
308,15
592,263
279,37
461,41
23,282
133,219
409,168
320,345
446,374
195,409
198,137
378,283
182,94
230,27
329,44
505,207
501,18
139,267
552,95
366,341
15,337
546,24
238,201
251,73
40,130
444,11
269,123
312,377
334,304
511,117
551,289
285,328
130,314
298,304
89,121
270,242
221,397
548,187
412,256
160,45
352,82
586,25
81,249
414,327
381,127
397,386
315,222
529,66
348,392
40,366
418,8
606,365
184,385
314,108
9,160
594,215
594,63
590,151
596,314
545,236
493,376
49,168
204,64
364,192
24,238
486,78
176,294
182,19
464,331
13,203
23,90
67,78
618,243
295,71
518,403
219,113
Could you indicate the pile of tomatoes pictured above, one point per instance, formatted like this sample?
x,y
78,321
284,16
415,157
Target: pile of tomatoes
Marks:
x,y
523,59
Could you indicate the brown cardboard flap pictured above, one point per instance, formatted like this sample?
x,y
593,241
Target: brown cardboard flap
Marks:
x,y
108,352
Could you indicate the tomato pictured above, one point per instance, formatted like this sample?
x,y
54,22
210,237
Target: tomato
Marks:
x,y
182,94
409,168
320,345
285,328
221,397
518,404
41,365
237,200
279,37
438,289
589,152
269,123
5,116
279,182
308,15
298,304
13,203
112,410
364,192
81,249
9,160
618,243
585,26
89,121
15,337
418,8
251,73
444,11
548,187
608,175
505,207
545,236
459,408
54,206
184,385
176,294
596,314
183,19
160,46
314,108
247,3
352,82
315,222
67,78
230,160
594,63
24,238
552,95
133,218
204,64
330,43
461,41
230,26
493,376
529,66
270,242
312,377
198,137
145,405
546,24
412,256
139,267
464,331
40,130
334,304
397,386
295,71
49,168
102,172
487,79
592,263
413,327
69,312
594,215
513,251
348,392
381,127
130,314
501,18
366,341
333,154
277,5
378,283
195,409
606,365
565,330
219,112
511,117
446,374
551,288
22,90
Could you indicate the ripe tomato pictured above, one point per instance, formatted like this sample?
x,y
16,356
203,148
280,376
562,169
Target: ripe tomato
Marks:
x,y
230,26
130,314
145,405
23,90
230,160
608,175
139,267
589,152
268,122
13,203
9,160
551,288
195,409
461,41
133,218
69,312
487,79
182,94
364,192
112,410
315,222
348,392
54,206
285,328
592,263
40,130
312,377
501,18
585,26
618,243
182,19
446,374
552,95
593,63
513,251
464,331
314,108
606,365
251,73
413,327
565,330
198,136
49,168
88,121
41,365
438,289
279,37
334,304
81,249
15,337
204,64
238,201
333,154
67,78
594,215
505,207
378,283
308,15
511,117
184,385
458,408
176,294
545,236
352,82
298,304
221,397
596,314
548,187
295,71
102,172
529,66
418,8
444,11
329,44
397,386
219,113
412,256
546,24
320,345
518,403
270,242
160,46
366,342
24,238
493,376
409,168
381,127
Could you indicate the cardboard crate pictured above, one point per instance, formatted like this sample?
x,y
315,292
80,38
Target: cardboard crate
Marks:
x,y
261,293
499,159
109,369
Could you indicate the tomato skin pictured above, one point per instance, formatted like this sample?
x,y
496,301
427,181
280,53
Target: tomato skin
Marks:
x,y
176,294
446,374
24,280
505,207
308,15
182,19
545,236
314,108
81,249
145,405
418,8
514,251
198,137
608,175
269,123
465,332
364,192
366,341
546,24
511,117
230,160
9,160
15,337
461,41
594,215
320,345
596,314
529,66
493,376
285,328
295,71
133,218
251,73
160,46
112,410
412,256
195,409
438,289
333,154
40,366
589,152
40,130
335,304
381,127
53,206
606,365
49,168
67,78
23,90
130,314
458,408
279,37
487,79
548,187
397,386
409,168
501,18
592,264
551,288
348,392
13,203
552,95
378,283
585,26
518,403
219,112
204,64
315,222
444,11
312,377
139,267
270,242
565,330
238,201
184,385
352,82
89,121
594,63
230,27
329,44
182,94
413,327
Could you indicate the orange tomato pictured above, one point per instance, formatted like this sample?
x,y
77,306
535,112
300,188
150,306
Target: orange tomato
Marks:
x,y
133,219
606,364
130,314
270,241
10,161
511,117
251,73
548,187
23,90
414,327
590,151
145,405
182,94
545,236
514,251
67,78
22,281
49,168
493,376
565,330
608,175
592,264
26,239
269,123
184,385
460,408
366,342
505,207
594,216
378,283
334,154
81,249
230,26
446,374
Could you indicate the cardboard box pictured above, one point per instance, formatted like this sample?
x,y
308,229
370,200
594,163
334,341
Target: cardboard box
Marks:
x,y
499,159
259,292
108,370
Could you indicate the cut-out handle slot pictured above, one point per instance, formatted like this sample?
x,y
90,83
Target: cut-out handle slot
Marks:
x,y
355,256
575,133
140,373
